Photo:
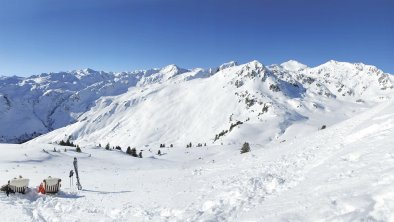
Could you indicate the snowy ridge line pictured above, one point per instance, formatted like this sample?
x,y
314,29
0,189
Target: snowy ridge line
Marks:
x,y
42,103
248,102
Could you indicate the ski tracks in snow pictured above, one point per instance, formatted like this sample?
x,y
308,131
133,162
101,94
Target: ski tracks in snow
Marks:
x,y
266,173
226,198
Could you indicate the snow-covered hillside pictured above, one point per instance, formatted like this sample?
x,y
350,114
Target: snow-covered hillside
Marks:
x,y
42,103
228,104
236,103
341,173
320,143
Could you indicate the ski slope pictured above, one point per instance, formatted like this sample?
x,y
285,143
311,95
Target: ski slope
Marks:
x,y
342,173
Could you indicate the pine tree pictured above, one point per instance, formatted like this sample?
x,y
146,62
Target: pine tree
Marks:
x,y
68,143
245,148
171,145
140,154
128,151
107,146
134,152
78,149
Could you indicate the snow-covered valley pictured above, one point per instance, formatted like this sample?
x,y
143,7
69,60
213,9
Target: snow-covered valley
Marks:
x,y
321,143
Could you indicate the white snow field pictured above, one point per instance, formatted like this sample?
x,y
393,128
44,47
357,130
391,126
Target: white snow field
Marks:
x,y
321,143
342,173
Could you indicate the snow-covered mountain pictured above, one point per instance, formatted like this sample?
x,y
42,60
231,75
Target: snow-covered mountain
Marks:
x,y
227,104
321,143
342,173
42,103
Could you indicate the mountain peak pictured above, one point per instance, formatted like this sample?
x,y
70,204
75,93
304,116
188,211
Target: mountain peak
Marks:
x,y
293,65
88,70
84,72
173,69
358,65
336,63
254,64
228,65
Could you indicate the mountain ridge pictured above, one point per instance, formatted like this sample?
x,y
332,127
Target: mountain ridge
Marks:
x,y
55,100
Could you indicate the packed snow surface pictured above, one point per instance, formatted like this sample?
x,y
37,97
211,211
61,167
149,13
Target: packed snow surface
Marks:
x,y
342,173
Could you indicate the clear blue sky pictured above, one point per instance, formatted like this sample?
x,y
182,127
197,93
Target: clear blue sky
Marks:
x,y
118,35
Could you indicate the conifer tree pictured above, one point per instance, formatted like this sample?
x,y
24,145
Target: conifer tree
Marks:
x,y
134,152
245,148
128,151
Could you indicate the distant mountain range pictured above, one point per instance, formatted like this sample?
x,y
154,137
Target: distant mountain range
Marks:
x,y
231,103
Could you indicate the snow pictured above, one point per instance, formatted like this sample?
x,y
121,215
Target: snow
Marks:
x,y
293,65
326,175
42,103
228,65
271,103
320,142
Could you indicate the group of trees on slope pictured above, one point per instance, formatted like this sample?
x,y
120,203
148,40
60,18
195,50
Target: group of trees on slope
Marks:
x,y
70,143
